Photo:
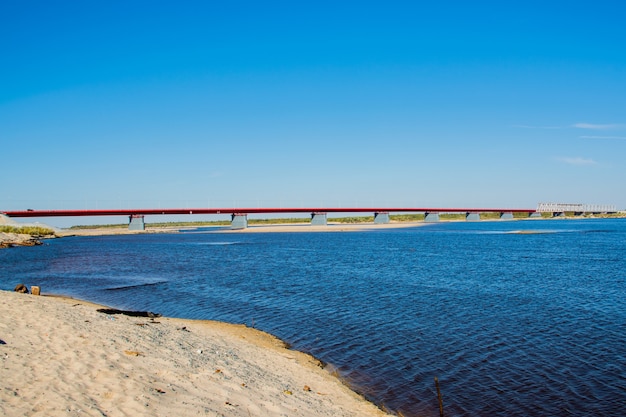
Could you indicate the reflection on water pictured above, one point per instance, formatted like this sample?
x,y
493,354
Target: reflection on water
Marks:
x,y
514,318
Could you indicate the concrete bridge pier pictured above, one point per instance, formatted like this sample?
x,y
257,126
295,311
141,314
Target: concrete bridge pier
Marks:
x,y
239,221
431,217
506,215
472,216
136,222
319,219
381,217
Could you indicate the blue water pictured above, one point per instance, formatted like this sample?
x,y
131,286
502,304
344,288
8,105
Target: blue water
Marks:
x,y
512,324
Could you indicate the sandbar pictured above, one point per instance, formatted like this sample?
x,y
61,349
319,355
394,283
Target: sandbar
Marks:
x,y
254,228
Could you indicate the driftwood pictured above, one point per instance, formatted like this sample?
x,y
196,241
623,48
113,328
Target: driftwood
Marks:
x,y
129,313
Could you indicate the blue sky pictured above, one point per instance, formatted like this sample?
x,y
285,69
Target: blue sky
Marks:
x,y
221,104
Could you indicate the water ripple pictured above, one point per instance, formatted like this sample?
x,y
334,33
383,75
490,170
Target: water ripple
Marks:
x,y
511,323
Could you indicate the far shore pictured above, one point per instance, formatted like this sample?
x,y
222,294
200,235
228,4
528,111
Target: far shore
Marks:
x,y
14,239
289,227
261,228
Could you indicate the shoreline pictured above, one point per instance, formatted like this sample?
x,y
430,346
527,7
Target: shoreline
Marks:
x,y
260,228
8,240
60,355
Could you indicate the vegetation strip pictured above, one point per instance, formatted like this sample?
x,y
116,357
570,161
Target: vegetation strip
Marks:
x,y
27,230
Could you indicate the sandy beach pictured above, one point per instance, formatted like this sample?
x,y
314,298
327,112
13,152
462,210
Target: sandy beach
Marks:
x,y
331,227
256,228
62,356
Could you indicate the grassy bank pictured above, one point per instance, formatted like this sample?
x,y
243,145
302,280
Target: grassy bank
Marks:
x,y
35,231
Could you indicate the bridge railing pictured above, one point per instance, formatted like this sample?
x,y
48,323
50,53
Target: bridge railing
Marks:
x,y
575,207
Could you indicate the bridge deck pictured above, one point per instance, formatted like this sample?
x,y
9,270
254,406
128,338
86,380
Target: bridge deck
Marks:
x,y
248,210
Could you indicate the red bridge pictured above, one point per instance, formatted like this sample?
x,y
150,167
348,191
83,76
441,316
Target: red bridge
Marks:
x,y
239,215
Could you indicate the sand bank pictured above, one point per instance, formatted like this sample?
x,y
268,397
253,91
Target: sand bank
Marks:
x,y
264,228
8,240
62,357
331,227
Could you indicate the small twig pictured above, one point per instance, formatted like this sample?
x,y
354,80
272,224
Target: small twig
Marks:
x,y
439,397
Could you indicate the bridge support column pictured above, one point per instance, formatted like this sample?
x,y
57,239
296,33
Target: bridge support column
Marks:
x,y
319,219
506,215
381,217
136,222
431,217
472,216
239,221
